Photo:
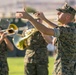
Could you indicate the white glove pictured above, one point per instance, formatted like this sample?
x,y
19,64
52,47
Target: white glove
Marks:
x,y
51,47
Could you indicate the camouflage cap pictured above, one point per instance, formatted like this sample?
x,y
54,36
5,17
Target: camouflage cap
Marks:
x,y
67,9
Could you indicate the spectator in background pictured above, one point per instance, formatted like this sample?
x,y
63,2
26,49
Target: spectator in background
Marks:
x,y
5,44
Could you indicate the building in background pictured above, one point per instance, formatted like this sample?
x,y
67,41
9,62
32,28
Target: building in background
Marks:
x,y
8,7
46,6
71,2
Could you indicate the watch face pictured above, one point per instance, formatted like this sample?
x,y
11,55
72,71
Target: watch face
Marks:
x,y
4,23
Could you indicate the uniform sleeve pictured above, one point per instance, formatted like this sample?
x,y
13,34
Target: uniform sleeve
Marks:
x,y
56,32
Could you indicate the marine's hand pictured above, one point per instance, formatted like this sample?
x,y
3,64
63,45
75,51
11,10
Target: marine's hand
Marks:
x,y
3,35
22,14
40,15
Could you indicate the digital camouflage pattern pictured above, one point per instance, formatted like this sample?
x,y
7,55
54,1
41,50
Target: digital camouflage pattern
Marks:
x,y
66,59
3,59
67,9
36,57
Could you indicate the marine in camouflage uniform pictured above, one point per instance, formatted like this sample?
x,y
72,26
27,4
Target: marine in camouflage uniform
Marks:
x,y
65,63
3,59
36,58
66,59
5,44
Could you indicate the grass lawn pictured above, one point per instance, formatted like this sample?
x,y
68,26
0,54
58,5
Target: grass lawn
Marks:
x,y
16,65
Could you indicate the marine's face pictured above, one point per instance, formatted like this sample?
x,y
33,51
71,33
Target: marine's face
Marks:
x,y
61,17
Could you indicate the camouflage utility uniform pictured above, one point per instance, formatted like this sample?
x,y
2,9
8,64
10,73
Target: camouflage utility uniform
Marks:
x,y
3,59
66,59
36,58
